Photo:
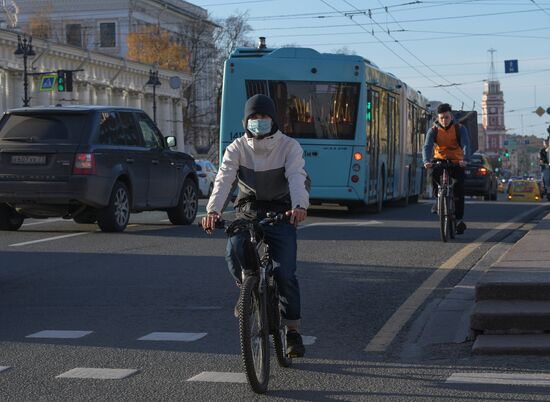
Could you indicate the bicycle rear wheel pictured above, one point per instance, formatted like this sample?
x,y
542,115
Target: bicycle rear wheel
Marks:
x,y
277,329
442,209
449,232
254,334
452,220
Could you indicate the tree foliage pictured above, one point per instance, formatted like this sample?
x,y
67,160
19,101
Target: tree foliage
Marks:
x,y
40,22
152,45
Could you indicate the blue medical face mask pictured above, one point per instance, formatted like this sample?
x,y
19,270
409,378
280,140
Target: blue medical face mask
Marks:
x,y
259,126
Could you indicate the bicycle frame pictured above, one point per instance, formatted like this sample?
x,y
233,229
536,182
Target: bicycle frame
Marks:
x,y
259,314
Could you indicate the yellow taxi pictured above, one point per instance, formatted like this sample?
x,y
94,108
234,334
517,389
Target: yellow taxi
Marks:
x,y
524,190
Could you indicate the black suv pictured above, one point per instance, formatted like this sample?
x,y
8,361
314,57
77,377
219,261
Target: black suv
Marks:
x,y
91,164
480,178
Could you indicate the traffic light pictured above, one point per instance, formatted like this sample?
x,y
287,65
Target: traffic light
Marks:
x,y
61,81
499,158
64,81
506,153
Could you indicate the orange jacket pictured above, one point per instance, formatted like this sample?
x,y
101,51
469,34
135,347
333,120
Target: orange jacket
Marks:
x,y
447,145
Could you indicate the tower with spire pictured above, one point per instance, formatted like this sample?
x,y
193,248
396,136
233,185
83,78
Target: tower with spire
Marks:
x,y
492,109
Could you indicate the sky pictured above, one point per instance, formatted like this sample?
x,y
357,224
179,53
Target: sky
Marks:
x,y
438,47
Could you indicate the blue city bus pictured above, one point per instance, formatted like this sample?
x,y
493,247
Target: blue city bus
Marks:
x,y
361,129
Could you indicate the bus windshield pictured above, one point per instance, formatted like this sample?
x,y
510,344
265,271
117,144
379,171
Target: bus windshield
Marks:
x,y
307,109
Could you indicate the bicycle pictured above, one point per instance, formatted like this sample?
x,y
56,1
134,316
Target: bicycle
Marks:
x,y
259,309
446,201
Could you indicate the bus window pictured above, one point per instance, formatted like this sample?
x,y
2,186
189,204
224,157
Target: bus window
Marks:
x,y
307,109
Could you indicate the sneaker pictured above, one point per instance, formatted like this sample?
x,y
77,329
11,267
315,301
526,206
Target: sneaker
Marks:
x,y
294,345
460,227
434,208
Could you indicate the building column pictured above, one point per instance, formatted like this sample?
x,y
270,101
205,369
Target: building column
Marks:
x,y
180,135
17,87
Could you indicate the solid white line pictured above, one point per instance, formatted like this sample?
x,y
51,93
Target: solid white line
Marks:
x,y
500,378
48,239
216,376
3,368
382,340
59,334
173,336
44,221
98,373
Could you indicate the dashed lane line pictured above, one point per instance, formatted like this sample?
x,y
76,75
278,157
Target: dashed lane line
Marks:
x,y
98,373
382,340
173,336
500,378
59,334
217,376
4,368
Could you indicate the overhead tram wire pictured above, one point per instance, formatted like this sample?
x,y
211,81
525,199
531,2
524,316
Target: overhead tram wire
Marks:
x,y
420,60
395,53
540,8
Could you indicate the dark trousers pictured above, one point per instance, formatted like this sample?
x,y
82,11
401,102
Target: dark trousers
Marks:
x,y
456,172
282,243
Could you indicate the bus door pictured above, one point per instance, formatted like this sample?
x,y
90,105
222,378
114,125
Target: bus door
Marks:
x,y
393,129
373,102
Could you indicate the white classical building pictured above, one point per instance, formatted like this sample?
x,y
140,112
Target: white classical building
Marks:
x,y
105,80
103,26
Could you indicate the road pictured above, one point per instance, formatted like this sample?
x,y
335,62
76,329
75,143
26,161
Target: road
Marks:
x,y
155,304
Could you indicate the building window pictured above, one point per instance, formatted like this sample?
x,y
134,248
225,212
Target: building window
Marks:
x,y
107,33
74,34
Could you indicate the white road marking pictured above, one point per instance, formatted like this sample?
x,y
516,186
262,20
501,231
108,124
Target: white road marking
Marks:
x,y
48,239
98,373
44,221
350,223
59,334
382,340
198,216
173,336
4,368
216,376
499,378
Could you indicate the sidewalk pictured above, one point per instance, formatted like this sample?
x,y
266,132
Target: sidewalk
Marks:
x,y
512,299
503,301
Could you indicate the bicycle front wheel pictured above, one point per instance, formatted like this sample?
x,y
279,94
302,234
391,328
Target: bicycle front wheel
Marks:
x,y
254,334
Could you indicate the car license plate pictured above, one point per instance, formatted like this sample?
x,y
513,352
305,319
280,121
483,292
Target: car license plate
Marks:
x,y
28,159
467,171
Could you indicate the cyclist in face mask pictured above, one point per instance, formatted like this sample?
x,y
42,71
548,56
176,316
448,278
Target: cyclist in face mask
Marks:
x,y
269,168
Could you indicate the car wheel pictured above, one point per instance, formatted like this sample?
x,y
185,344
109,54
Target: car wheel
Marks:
x,y
115,216
89,215
188,204
10,219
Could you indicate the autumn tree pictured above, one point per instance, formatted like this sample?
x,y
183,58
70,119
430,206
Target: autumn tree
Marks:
x,y
40,23
152,45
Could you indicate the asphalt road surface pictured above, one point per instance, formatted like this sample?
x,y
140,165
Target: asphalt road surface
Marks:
x,y
147,315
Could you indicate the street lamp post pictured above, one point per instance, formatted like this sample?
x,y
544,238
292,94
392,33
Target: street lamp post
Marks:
x,y
154,81
24,49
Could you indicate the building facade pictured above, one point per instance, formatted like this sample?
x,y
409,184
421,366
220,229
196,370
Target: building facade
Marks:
x,y
104,80
104,27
